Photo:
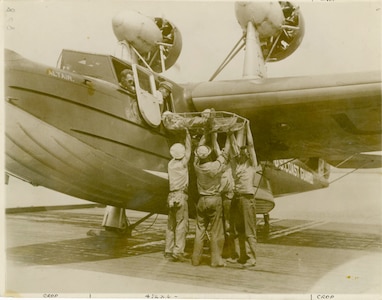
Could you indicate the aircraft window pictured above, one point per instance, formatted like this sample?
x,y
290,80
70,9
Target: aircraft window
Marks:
x,y
144,81
119,67
313,163
94,65
147,95
127,80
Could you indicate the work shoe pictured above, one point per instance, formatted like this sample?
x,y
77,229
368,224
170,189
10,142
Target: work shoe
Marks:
x,y
221,265
250,263
168,256
232,260
243,260
179,257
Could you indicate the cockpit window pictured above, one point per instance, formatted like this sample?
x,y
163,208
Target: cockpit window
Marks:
x,y
93,65
144,81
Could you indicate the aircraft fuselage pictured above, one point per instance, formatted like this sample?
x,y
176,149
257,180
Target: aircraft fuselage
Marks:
x,y
84,135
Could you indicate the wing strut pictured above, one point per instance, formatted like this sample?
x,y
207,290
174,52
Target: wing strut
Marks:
x,y
254,63
352,171
235,50
345,160
131,227
341,163
142,59
115,221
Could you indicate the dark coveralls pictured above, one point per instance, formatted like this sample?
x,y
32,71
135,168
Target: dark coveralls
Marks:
x,y
229,212
209,210
246,207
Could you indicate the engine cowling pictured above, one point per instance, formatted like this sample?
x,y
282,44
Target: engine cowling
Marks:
x,y
171,37
137,30
280,26
157,40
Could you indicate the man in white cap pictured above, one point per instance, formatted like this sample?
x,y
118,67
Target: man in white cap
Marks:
x,y
165,88
209,208
177,224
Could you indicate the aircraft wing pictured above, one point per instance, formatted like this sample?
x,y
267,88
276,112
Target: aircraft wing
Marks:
x,y
329,116
358,161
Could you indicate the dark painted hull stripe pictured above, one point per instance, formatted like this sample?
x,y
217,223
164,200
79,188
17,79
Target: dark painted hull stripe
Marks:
x,y
12,101
119,143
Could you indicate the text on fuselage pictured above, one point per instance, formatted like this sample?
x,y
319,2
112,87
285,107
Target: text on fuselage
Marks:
x,y
60,75
295,170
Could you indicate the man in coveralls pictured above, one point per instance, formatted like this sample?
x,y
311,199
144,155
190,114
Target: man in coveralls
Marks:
x,y
244,173
209,208
177,225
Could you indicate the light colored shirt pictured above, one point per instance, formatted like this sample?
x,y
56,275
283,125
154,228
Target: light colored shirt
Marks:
x,y
209,176
244,175
227,182
178,175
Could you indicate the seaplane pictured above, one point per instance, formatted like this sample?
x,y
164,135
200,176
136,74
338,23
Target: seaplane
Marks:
x,y
75,129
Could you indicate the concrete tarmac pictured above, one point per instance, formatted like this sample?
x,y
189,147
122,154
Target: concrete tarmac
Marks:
x,y
50,254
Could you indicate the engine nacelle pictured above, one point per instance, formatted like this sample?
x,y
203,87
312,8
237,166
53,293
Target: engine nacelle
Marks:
x,y
279,24
137,30
157,40
171,37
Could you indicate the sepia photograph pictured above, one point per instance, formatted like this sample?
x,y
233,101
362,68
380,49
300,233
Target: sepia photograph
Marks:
x,y
192,149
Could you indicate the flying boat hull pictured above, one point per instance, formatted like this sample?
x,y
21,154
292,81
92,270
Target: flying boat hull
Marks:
x,y
73,134
79,135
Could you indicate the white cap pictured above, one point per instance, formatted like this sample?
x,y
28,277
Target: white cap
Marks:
x,y
177,151
166,113
203,151
167,85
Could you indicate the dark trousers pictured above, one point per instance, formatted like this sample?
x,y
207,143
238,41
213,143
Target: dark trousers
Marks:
x,y
231,247
209,212
246,224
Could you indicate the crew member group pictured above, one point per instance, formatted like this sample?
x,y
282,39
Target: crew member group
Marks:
x,y
226,208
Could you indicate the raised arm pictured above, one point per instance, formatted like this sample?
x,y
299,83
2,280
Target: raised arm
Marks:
x,y
215,144
251,146
203,140
187,156
227,146
221,162
234,145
